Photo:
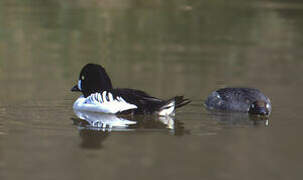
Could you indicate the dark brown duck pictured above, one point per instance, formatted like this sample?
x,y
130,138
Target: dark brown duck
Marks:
x,y
248,100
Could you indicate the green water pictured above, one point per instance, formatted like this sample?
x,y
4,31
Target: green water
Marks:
x,y
165,48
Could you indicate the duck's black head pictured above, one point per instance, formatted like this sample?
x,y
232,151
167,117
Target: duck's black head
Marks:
x,y
260,108
93,78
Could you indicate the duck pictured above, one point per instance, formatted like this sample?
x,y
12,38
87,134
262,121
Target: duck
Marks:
x,y
233,99
99,95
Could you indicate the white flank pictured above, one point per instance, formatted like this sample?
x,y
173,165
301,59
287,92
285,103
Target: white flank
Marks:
x,y
102,103
168,109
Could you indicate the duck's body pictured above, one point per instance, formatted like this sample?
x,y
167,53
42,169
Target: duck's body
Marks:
x,y
119,101
100,96
239,99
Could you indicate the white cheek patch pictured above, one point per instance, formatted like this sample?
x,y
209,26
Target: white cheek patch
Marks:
x,y
79,85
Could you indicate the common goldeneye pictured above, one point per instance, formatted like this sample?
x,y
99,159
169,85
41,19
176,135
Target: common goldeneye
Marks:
x,y
239,99
100,96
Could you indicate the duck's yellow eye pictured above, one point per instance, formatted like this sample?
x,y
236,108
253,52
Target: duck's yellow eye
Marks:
x,y
82,77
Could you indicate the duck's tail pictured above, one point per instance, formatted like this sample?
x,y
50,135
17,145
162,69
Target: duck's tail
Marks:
x,y
170,105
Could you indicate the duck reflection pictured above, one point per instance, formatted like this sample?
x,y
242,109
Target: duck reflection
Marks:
x,y
92,139
239,119
94,127
103,122
158,123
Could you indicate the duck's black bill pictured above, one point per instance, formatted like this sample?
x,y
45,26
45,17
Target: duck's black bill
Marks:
x,y
75,89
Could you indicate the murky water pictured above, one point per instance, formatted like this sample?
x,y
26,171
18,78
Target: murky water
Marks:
x,y
165,48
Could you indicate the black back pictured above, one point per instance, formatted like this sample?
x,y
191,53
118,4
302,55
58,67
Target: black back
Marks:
x,y
146,104
240,94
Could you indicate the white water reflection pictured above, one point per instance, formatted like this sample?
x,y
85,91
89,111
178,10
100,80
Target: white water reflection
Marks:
x,y
109,122
94,128
103,121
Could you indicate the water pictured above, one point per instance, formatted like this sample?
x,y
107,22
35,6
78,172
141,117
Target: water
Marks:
x,y
165,48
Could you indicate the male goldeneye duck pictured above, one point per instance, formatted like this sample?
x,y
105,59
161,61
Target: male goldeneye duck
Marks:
x,y
239,99
100,96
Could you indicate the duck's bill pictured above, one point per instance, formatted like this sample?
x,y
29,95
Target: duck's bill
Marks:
x,y
75,88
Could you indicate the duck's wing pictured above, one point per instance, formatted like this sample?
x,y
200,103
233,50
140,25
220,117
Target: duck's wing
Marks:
x,y
145,103
234,99
223,99
134,93
238,94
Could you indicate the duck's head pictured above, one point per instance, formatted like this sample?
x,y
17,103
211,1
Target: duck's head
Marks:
x,y
93,78
260,108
